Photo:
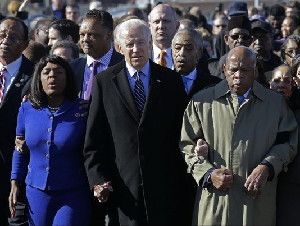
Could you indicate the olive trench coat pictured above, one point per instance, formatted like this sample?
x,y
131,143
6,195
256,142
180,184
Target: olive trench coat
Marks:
x,y
239,138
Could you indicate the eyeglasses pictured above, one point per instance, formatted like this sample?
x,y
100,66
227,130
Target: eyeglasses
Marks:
x,y
292,52
240,36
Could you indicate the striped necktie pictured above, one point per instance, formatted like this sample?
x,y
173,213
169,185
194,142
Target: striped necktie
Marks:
x,y
2,82
139,92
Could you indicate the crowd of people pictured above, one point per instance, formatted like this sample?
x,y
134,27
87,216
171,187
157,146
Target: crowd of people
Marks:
x,y
159,117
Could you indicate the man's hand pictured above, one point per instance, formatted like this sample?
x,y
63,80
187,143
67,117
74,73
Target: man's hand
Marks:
x,y
257,180
21,144
201,149
101,192
222,179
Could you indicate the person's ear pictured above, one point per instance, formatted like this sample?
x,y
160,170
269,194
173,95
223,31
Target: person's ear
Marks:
x,y
226,39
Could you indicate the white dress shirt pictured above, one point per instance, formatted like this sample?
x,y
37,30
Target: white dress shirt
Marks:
x,y
169,59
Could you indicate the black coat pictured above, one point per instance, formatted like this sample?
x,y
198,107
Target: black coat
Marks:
x,y
9,109
203,80
78,67
138,154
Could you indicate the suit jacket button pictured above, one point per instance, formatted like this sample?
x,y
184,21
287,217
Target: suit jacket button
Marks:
x,y
49,130
47,169
49,142
47,156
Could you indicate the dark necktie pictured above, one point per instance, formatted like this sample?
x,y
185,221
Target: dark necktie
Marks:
x,y
2,82
139,92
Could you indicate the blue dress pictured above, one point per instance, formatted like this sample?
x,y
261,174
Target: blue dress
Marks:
x,y
56,184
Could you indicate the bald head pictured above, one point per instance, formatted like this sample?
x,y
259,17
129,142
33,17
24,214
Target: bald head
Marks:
x,y
163,25
240,69
242,52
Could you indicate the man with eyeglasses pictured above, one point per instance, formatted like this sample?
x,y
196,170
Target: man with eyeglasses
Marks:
x,y
238,33
262,46
15,72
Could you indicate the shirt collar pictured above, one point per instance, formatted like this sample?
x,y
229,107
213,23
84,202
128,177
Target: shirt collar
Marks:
x,y
156,51
13,67
222,88
192,75
132,70
104,60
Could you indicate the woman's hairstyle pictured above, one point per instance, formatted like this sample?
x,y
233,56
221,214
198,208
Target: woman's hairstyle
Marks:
x,y
38,97
295,38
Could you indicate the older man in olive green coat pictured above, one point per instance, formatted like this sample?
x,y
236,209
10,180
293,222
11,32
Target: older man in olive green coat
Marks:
x,y
252,136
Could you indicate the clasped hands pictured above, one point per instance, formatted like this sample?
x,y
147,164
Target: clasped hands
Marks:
x,y
102,192
222,178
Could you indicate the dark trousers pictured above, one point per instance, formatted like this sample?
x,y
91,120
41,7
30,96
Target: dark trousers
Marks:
x,y
3,212
104,213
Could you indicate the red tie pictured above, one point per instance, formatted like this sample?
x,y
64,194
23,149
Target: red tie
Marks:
x,y
2,82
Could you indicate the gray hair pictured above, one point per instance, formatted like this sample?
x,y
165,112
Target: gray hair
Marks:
x,y
196,36
122,29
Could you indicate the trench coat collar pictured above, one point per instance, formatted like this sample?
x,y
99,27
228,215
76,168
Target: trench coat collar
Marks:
x,y
222,89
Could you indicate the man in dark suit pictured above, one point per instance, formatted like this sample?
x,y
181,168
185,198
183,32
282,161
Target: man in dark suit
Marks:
x,y
14,76
96,42
131,147
187,48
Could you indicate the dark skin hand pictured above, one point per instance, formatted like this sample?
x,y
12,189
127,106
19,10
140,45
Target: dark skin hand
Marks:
x,y
222,179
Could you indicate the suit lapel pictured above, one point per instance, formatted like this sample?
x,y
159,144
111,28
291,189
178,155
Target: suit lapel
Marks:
x,y
19,81
123,89
199,83
115,58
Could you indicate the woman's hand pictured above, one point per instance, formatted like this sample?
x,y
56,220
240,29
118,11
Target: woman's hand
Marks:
x,y
12,199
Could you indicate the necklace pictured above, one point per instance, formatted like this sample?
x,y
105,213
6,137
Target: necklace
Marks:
x,y
53,109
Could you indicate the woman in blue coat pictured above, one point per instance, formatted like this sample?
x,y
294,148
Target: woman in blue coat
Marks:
x,y
53,126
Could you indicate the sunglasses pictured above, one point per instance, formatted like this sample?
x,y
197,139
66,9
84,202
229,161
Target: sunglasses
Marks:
x,y
241,36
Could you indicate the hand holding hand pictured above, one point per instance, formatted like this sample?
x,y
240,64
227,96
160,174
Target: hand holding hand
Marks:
x,y
222,178
21,144
102,192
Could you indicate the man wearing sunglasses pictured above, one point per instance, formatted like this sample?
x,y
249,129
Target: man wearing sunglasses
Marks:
x,y
238,33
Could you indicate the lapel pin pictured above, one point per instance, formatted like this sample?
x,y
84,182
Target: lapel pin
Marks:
x,y
158,80
22,80
17,84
